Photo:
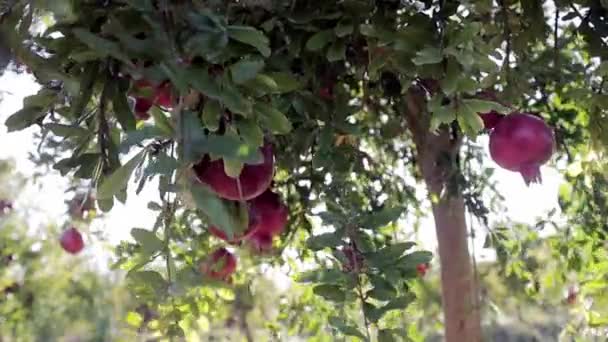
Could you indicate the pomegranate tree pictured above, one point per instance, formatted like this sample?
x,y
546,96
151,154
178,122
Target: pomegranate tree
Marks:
x,y
253,180
220,265
71,241
522,142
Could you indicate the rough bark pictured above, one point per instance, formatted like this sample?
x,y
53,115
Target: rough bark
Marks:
x,y
437,154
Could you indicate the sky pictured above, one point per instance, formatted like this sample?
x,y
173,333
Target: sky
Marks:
x,y
45,198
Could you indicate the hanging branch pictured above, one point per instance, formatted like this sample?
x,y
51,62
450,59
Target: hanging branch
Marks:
x,y
555,37
507,35
103,130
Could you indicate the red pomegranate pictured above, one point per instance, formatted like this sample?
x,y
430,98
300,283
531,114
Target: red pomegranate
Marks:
x,y
421,269
142,106
163,96
260,241
267,218
253,180
270,213
236,240
522,142
220,265
491,119
71,241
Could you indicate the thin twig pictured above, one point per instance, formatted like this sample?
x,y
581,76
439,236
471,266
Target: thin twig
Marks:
x,y
507,33
555,37
103,131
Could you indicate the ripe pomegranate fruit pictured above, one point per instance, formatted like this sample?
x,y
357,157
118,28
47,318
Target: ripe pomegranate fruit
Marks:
x,y
267,218
163,96
220,265
421,269
260,241
522,142
491,119
253,180
142,106
71,241
269,212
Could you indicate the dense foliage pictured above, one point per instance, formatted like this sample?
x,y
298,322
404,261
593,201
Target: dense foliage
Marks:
x,y
362,102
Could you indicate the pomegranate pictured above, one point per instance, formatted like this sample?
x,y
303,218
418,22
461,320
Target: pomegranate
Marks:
x,y
253,180
71,241
271,215
267,218
236,240
220,265
260,241
522,142
142,106
491,119
421,269
163,96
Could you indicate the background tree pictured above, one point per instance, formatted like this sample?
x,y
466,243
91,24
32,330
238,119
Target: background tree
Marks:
x,y
362,101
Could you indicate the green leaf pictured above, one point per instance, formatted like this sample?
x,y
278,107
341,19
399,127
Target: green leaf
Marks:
x,y
286,82
245,70
194,143
161,120
222,214
199,79
382,217
336,51
482,106
346,329
232,167
251,36
410,261
343,29
134,319
399,303
250,132
149,278
34,108
232,98
149,242
383,292
66,130
470,122
428,55
119,179
272,119
319,40
212,113
122,110
389,255
330,292
102,46
327,276
318,242
24,118
440,114
86,85
136,137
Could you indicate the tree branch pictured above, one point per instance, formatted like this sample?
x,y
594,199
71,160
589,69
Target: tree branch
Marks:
x,y
507,34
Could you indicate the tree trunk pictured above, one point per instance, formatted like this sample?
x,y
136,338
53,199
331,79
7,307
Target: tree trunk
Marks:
x,y
437,155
